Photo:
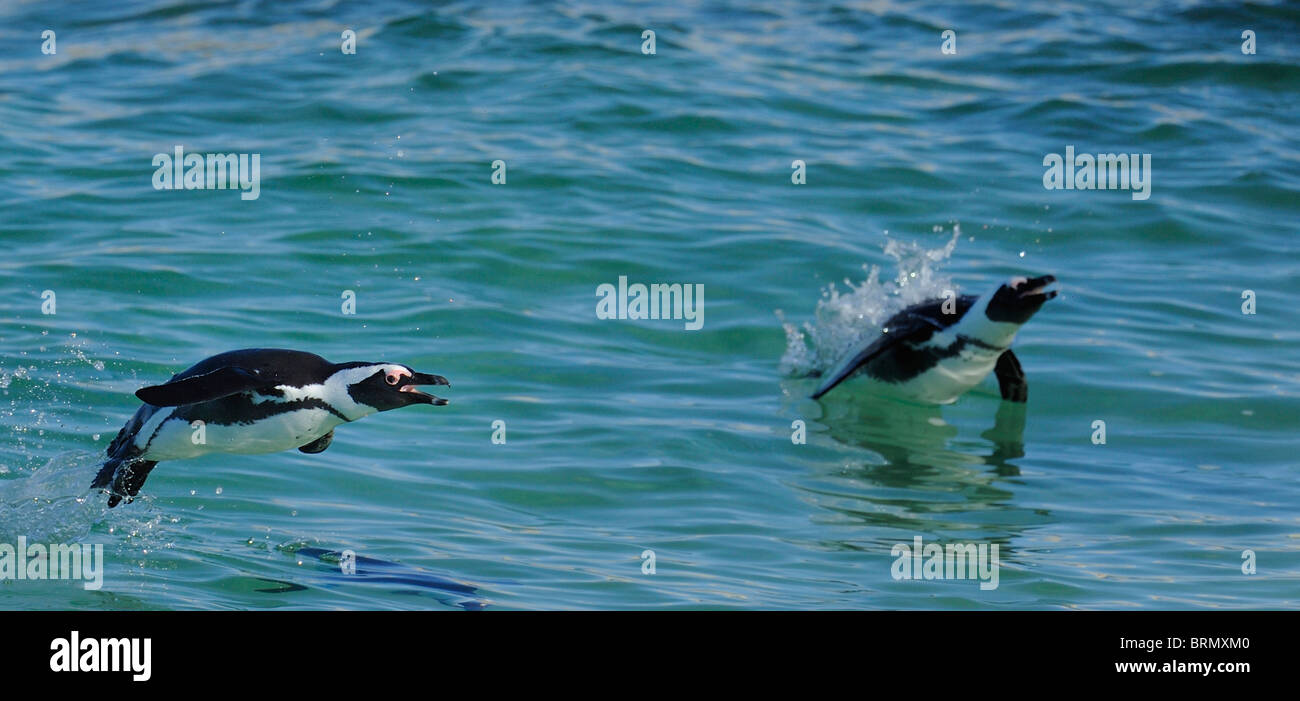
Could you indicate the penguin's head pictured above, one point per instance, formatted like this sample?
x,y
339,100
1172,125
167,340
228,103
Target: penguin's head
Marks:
x,y
387,386
1019,298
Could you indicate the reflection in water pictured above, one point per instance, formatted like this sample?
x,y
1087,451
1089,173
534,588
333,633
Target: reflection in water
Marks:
x,y
402,579
916,436
928,480
1008,437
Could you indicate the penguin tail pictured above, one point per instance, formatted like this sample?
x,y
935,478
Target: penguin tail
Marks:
x,y
122,478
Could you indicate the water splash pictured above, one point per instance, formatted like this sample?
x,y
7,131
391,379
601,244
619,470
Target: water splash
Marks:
x,y
51,503
843,318
39,390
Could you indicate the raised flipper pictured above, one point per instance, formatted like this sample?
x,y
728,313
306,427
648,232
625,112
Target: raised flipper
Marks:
x,y
319,445
219,383
850,366
1011,378
123,479
914,325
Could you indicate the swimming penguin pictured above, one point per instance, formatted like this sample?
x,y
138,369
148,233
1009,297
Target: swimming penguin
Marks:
x,y
936,350
258,400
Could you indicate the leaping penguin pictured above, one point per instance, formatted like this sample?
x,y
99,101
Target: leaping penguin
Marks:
x,y
933,354
258,400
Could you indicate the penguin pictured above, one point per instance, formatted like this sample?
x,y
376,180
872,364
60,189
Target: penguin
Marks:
x,y
935,351
251,401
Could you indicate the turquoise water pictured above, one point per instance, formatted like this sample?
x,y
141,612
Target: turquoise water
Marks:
x,y
624,436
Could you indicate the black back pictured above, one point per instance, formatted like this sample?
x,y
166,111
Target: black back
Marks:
x,y
893,356
286,367
234,372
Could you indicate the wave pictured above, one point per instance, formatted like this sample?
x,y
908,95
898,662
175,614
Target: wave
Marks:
x,y
842,318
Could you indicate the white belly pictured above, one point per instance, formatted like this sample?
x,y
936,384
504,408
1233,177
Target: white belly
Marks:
x,y
952,377
941,384
178,439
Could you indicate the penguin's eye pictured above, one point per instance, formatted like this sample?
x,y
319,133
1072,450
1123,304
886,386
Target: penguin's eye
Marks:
x,y
392,378
1016,282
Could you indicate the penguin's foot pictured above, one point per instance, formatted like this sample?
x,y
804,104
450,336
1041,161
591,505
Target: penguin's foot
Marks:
x,y
1011,378
122,479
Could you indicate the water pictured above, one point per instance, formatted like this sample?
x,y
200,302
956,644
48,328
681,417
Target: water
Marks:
x,y
627,436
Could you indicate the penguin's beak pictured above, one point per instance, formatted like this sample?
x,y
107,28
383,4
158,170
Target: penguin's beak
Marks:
x,y
419,397
1033,287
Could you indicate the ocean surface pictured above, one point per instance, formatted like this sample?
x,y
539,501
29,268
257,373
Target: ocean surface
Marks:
x,y
922,172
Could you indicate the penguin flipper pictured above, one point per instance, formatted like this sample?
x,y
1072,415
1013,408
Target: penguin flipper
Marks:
x,y
219,383
914,324
319,445
1011,378
850,366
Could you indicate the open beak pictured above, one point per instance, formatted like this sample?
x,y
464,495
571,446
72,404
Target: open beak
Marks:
x,y
1034,287
420,378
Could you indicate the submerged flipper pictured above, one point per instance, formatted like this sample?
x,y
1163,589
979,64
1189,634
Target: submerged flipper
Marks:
x,y
123,479
219,383
1011,378
853,363
319,445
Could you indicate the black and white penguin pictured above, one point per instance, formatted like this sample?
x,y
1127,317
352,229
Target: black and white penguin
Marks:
x,y
934,353
258,400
